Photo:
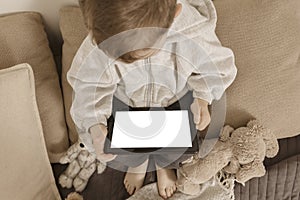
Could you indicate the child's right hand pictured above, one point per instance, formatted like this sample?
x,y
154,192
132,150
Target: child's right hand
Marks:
x,y
98,133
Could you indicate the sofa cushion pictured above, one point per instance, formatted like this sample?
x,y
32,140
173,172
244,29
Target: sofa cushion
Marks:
x,y
25,169
23,39
265,38
73,31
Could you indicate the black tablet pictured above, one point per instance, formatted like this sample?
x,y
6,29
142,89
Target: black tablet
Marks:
x,y
153,130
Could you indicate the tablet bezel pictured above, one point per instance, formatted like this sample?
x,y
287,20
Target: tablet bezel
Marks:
x,y
121,151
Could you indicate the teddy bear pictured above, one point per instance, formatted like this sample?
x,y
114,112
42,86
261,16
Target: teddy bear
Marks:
x,y
82,165
239,152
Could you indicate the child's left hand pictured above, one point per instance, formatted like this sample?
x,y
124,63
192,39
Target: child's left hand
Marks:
x,y
201,113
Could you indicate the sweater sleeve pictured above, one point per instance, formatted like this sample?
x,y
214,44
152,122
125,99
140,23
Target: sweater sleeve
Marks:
x,y
91,102
93,84
213,73
212,66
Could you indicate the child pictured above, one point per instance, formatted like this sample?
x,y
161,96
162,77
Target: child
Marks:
x,y
146,53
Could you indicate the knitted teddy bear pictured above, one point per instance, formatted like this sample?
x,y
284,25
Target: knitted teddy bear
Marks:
x,y
82,165
238,152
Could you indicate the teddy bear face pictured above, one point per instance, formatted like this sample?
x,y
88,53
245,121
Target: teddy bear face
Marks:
x,y
247,145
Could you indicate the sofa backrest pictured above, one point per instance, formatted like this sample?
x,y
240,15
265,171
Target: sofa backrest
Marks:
x,y
49,10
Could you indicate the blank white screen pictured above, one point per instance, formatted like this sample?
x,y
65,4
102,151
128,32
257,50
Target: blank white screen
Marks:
x,y
143,129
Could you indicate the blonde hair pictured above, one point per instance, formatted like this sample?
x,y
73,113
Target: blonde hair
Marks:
x,y
106,18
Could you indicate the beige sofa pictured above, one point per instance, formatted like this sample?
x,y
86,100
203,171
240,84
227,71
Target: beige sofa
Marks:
x,y
35,99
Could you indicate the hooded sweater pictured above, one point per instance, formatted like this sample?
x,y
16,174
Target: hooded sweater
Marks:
x,y
191,58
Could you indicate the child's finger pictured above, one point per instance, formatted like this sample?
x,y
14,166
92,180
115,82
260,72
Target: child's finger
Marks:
x,y
205,120
197,117
196,110
202,125
106,157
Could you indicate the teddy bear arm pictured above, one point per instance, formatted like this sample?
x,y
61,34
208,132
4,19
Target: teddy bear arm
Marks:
x,y
250,170
272,146
233,167
82,158
90,159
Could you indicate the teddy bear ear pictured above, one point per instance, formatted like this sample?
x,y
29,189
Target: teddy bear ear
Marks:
x,y
269,138
255,125
226,133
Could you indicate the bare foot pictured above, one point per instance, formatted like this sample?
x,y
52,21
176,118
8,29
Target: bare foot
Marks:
x,y
166,179
134,178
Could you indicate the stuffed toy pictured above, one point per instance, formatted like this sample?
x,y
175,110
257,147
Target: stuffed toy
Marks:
x,y
238,152
82,165
74,196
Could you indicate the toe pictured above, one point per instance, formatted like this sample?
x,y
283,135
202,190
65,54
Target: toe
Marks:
x,y
126,185
169,192
174,188
128,188
162,193
131,189
173,191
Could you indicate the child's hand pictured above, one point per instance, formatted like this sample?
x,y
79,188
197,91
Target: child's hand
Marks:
x,y
98,134
201,114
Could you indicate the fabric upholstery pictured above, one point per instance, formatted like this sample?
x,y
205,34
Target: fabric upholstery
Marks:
x,y
23,39
73,31
25,169
265,38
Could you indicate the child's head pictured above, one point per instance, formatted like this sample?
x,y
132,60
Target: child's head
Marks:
x,y
106,18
